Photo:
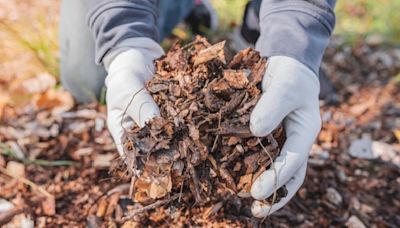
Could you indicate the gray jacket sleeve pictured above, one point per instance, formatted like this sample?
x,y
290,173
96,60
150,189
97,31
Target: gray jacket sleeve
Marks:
x,y
113,21
296,28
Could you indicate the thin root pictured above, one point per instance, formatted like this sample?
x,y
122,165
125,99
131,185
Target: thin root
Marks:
x,y
275,178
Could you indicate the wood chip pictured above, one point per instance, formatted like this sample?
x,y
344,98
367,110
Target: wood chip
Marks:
x,y
237,78
205,55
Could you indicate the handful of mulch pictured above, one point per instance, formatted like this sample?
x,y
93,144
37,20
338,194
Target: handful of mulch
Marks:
x,y
201,149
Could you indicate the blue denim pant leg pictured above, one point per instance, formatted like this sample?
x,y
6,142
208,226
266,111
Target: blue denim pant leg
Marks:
x,y
171,13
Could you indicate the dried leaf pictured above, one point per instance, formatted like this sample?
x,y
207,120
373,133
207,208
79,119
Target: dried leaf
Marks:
x,y
49,206
102,161
57,101
160,187
194,132
16,168
237,79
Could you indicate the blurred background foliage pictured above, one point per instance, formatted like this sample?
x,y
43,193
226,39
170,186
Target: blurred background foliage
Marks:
x,y
356,19
362,18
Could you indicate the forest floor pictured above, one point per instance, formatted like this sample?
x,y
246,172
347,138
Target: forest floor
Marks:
x,y
56,155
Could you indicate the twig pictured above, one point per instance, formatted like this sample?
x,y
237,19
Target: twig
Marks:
x,y
216,137
183,182
120,188
7,151
275,178
132,185
195,179
27,182
213,210
117,189
149,207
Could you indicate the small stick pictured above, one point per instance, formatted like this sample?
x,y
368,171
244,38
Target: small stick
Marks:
x,y
132,185
196,184
216,137
27,182
149,207
117,189
275,179
120,188
183,182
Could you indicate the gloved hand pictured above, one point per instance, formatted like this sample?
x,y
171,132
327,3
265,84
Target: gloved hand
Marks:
x,y
128,73
290,93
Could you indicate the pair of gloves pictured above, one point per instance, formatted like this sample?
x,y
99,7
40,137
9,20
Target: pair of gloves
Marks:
x,y
290,94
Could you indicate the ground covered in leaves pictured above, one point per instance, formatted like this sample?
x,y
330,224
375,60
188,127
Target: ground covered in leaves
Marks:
x,y
55,159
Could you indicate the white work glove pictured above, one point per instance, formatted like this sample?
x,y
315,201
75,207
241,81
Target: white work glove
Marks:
x,y
128,73
290,93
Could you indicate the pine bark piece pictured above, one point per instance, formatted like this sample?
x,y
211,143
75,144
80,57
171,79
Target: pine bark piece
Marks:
x,y
237,79
258,71
205,55
112,204
230,182
245,182
102,207
49,205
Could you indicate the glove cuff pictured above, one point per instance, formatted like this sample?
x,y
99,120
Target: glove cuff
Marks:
x,y
148,47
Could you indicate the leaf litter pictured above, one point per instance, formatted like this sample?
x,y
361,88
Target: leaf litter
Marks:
x,y
368,189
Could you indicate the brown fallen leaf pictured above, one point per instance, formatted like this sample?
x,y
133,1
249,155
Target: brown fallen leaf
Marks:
x,y
16,168
57,101
38,84
49,206
102,161
160,187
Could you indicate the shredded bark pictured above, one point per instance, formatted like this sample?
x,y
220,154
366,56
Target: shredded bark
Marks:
x,y
205,105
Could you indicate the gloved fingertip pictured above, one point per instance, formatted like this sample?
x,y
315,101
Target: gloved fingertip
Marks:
x,y
116,129
256,191
263,185
120,149
147,112
259,209
260,126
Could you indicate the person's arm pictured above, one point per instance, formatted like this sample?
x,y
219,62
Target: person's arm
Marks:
x,y
293,35
296,28
113,22
126,39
